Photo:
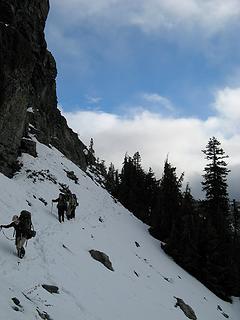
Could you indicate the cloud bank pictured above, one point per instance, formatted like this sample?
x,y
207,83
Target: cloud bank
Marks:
x,y
211,16
185,22
155,136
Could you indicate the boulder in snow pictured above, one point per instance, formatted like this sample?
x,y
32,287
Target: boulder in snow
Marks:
x,y
17,306
50,288
188,311
137,244
101,257
71,175
16,301
44,315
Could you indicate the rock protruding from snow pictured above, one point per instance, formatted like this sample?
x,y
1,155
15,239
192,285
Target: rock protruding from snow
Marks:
x,y
71,175
16,301
102,257
50,288
137,244
188,311
17,305
222,312
44,315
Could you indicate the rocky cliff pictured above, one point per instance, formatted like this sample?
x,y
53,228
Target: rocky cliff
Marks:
x,y
28,102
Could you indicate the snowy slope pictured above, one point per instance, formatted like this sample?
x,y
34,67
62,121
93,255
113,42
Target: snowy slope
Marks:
x,y
145,280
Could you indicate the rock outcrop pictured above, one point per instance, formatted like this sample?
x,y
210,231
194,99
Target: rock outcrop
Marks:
x,y
28,102
50,288
188,311
102,257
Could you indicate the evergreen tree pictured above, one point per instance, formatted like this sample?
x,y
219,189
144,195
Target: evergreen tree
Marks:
x,y
91,160
167,204
216,248
215,184
136,188
111,179
137,162
236,247
183,242
125,182
117,184
101,166
149,194
90,149
235,222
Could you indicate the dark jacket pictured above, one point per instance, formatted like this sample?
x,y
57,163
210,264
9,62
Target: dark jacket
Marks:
x,y
17,228
62,203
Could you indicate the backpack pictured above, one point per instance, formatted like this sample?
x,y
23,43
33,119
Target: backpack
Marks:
x,y
25,225
75,202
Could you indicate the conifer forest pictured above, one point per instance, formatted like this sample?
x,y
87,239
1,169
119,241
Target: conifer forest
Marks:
x,y
202,236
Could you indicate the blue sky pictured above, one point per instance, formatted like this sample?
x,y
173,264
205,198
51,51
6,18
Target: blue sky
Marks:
x,y
145,64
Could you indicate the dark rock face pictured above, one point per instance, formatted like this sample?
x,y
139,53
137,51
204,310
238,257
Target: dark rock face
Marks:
x,y
28,102
28,146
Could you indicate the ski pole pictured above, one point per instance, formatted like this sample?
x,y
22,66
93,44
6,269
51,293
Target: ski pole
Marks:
x,y
51,207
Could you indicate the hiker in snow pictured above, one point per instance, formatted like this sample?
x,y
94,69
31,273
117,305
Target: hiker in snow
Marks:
x,y
23,230
62,206
72,205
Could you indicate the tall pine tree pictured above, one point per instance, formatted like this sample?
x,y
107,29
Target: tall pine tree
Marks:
x,y
216,245
215,184
168,202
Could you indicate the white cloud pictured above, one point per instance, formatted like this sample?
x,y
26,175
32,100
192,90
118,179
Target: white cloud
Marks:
x,y
156,99
228,103
227,106
149,133
93,100
211,16
155,136
84,30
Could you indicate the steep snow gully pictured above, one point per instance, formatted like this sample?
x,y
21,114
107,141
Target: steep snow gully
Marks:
x,y
145,283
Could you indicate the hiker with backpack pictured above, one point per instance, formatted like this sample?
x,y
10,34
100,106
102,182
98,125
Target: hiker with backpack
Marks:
x,y
72,205
23,230
61,206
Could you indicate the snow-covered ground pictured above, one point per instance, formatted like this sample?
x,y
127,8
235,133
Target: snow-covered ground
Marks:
x,y
144,283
